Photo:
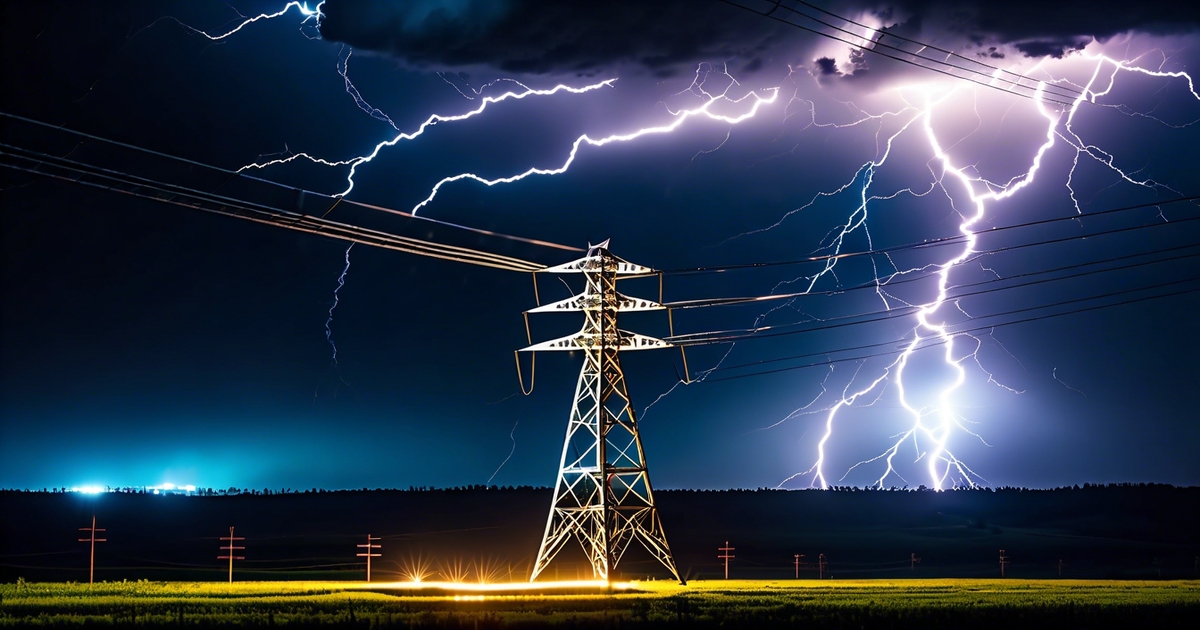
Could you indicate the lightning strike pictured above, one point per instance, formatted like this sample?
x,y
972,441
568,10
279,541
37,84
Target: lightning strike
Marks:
x,y
336,300
310,15
432,120
931,428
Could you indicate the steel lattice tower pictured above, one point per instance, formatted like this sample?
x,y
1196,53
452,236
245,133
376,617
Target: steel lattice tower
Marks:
x,y
603,496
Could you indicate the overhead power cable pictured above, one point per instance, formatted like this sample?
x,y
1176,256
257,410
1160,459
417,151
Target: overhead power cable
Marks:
x,y
243,175
946,68
940,242
721,337
933,341
877,285
951,296
1060,90
64,169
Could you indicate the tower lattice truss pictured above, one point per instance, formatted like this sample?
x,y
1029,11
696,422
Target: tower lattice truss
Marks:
x,y
603,496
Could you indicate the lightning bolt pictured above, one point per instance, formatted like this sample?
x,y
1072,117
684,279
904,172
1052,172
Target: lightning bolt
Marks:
x,y
310,15
336,300
931,429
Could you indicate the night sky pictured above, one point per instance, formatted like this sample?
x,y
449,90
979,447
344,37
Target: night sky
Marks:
x,y
145,343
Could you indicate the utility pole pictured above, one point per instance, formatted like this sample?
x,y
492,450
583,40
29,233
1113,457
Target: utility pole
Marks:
x,y
1061,564
913,561
1003,562
798,556
602,497
726,556
368,553
93,540
821,562
231,548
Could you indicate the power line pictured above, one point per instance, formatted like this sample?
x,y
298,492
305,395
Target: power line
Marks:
x,y
337,200
701,337
936,242
878,44
729,338
155,190
1069,92
733,301
939,342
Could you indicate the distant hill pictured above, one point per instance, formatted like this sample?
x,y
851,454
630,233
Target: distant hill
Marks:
x,y
1142,531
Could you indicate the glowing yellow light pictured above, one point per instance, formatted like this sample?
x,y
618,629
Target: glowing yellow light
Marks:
x,y
501,586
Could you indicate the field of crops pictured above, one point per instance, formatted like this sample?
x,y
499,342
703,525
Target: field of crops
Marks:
x,y
735,603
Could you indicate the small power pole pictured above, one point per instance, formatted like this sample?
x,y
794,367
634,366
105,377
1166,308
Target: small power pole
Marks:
x,y
726,556
913,561
368,554
821,563
1061,564
93,540
798,556
231,548
1003,562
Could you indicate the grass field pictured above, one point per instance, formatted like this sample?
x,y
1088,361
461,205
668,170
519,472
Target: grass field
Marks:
x,y
735,603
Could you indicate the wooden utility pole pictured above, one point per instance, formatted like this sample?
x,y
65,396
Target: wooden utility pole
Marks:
x,y
798,556
913,561
231,548
821,562
368,554
93,540
1061,564
726,556
1003,562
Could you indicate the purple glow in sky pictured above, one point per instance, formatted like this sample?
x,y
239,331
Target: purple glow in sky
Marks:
x,y
976,246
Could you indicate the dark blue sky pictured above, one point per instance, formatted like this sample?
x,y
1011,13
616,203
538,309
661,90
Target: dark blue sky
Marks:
x,y
145,343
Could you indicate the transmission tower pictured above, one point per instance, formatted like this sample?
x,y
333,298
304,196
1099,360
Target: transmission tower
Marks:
x,y
603,496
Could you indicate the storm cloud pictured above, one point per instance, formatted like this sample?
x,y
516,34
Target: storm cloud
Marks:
x,y
664,37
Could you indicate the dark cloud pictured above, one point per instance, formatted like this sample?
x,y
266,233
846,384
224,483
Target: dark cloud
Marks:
x,y
667,36
1054,49
1020,20
825,66
532,36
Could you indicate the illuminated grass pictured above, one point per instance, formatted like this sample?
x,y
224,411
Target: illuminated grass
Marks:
x,y
764,604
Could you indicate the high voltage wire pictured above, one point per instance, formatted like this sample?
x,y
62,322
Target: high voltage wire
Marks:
x,y
940,242
226,206
239,174
878,44
896,312
967,331
689,304
1069,92
729,336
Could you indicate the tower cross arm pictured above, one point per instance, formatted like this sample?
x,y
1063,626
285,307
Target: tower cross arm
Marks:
x,y
599,259
583,340
592,302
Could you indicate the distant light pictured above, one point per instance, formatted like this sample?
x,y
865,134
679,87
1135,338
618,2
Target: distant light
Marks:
x,y
87,489
190,488
168,486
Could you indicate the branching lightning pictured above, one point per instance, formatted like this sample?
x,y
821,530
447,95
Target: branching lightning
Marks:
x,y
933,427
336,300
313,15
931,430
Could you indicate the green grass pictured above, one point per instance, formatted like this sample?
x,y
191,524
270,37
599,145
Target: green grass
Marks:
x,y
947,603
